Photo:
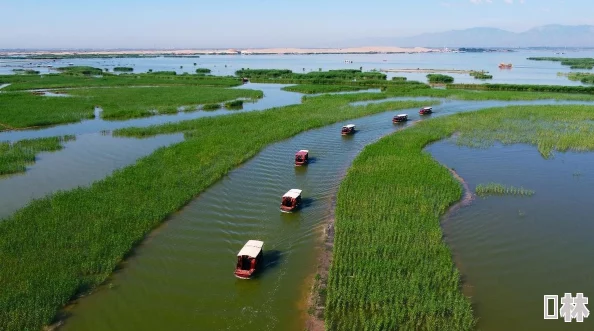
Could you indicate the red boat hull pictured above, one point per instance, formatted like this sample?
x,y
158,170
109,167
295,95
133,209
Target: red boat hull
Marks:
x,y
244,274
287,209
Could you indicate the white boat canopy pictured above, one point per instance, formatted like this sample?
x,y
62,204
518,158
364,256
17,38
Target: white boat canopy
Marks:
x,y
402,115
349,126
303,150
428,108
293,193
252,248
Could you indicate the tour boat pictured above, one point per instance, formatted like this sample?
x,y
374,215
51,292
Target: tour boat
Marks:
x,y
348,129
302,157
505,65
291,200
426,110
244,80
249,259
400,118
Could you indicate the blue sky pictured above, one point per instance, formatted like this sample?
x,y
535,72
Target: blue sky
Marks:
x,y
262,23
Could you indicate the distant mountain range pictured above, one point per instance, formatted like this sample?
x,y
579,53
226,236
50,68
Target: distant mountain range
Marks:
x,y
542,36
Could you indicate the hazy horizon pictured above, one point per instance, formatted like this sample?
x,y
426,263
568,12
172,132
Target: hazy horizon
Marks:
x,y
182,24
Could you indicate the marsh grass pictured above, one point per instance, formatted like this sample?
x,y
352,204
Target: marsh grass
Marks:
x,y
69,242
123,69
211,106
14,157
20,109
316,89
573,63
439,79
500,189
202,70
235,104
391,269
51,81
524,88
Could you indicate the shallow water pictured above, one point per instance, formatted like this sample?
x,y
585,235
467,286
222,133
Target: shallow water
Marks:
x,y
523,72
182,277
273,97
514,250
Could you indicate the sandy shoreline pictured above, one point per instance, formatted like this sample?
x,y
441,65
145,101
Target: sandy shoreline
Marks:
x,y
232,51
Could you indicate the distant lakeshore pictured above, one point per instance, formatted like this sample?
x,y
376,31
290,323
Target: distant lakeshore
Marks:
x,y
249,51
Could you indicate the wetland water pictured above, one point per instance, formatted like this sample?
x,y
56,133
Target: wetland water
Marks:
x,y
524,71
182,277
513,250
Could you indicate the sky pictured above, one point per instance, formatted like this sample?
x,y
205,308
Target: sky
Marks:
x,y
262,23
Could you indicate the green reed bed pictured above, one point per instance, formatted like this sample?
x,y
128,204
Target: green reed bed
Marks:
x,y
23,109
500,189
235,104
524,88
80,70
123,69
70,242
15,157
472,95
439,79
123,103
483,75
391,270
211,106
28,82
317,89
341,74
202,70
573,63
584,77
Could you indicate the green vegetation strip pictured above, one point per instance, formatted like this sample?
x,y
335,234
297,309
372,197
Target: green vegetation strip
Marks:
x,y
584,77
15,157
524,88
440,79
68,243
500,189
342,74
316,89
50,81
573,63
23,109
391,269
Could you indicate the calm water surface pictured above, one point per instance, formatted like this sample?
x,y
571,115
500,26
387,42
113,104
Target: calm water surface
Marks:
x,y
523,72
514,250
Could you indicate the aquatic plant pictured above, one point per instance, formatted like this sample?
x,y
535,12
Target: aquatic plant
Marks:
x,y
125,69
235,104
398,78
14,157
211,106
439,79
342,74
69,242
500,189
480,74
573,63
315,89
391,269
526,87
20,109
202,70
80,70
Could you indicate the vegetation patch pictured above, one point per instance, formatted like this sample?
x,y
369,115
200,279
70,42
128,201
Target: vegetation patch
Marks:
x,y
235,104
481,75
342,74
202,71
21,109
123,69
14,157
69,242
50,81
317,89
391,269
398,78
211,106
573,63
584,77
525,88
80,71
439,79
500,189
